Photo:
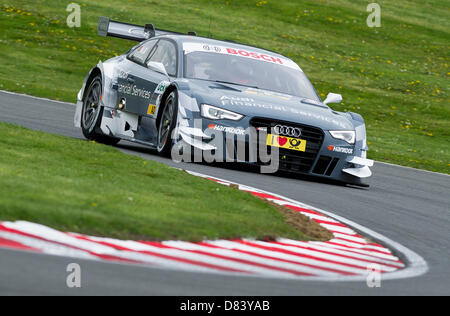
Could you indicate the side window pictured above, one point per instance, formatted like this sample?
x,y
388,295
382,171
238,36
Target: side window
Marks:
x,y
140,54
166,53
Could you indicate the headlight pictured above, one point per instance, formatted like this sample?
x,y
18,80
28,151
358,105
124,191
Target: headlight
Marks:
x,y
216,113
348,136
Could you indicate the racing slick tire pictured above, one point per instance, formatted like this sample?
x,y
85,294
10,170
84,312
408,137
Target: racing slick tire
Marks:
x,y
92,113
167,124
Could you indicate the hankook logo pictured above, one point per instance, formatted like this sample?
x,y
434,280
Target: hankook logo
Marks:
x,y
226,129
344,150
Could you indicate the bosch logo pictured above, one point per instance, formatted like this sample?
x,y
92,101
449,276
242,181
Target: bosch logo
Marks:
x,y
288,131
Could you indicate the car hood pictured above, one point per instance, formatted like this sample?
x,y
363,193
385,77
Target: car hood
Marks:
x,y
262,103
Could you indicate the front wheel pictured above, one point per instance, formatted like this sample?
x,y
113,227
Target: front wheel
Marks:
x,y
92,113
167,124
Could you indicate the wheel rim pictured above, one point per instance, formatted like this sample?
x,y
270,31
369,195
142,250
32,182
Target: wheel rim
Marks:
x,y
166,123
91,105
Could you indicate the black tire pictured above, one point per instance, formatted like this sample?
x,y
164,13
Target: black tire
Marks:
x,y
167,124
92,113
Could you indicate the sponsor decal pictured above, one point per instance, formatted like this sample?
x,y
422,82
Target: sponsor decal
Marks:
x,y
142,49
286,142
141,53
134,91
227,129
268,93
190,47
254,55
122,74
151,109
262,129
345,150
162,86
214,48
236,101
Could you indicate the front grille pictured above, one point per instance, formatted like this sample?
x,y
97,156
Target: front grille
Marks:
x,y
291,160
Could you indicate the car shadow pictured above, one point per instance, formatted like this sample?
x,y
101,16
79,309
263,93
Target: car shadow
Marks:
x,y
243,167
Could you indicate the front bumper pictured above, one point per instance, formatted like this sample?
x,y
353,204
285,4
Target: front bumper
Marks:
x,y
320,158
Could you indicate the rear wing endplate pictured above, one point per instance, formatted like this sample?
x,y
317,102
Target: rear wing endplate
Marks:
x,y
107,27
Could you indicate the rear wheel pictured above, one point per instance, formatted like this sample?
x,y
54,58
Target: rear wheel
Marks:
x,y
167,124
92,113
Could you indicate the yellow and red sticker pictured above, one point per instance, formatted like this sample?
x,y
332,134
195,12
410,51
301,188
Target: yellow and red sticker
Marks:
x,y
151,109
286,142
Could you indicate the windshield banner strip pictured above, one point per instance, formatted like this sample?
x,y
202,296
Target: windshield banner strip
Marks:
x,y
190,47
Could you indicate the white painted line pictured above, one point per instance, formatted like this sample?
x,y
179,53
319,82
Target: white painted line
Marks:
x,y
36,98
411,168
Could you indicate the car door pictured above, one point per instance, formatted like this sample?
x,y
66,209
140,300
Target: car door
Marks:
x,y
139,85
135,86
165,53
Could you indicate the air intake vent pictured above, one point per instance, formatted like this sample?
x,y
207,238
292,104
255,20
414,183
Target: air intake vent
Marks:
x,y
322,164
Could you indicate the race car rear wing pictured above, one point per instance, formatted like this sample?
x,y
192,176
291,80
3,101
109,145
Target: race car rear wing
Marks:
x,y
107,27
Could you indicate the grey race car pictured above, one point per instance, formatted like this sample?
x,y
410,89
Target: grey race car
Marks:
x,y
183,94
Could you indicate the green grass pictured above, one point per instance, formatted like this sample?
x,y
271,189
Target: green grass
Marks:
x,y
85,187
396,76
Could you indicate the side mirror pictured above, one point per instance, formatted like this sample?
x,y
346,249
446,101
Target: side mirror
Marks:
x,y
158,67
333,98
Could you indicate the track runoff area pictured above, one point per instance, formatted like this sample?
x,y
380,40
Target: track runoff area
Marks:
x,y
348,256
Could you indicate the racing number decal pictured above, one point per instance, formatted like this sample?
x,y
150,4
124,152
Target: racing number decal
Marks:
x,y
286,142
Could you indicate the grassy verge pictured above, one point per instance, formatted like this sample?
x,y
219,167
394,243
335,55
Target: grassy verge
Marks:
x,y
396,76
84,187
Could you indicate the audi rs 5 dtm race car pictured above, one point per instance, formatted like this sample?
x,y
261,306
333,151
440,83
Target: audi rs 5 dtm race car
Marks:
x,y
184,94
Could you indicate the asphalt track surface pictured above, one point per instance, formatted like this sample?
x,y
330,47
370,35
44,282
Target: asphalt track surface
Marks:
x,y
406,205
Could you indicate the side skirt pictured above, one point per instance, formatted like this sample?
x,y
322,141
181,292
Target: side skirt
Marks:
x,y
128,126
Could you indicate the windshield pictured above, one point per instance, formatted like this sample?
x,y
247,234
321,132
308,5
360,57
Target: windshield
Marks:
x,y
250,72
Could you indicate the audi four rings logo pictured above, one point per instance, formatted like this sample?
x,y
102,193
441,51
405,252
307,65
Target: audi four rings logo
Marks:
x,y
288,130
